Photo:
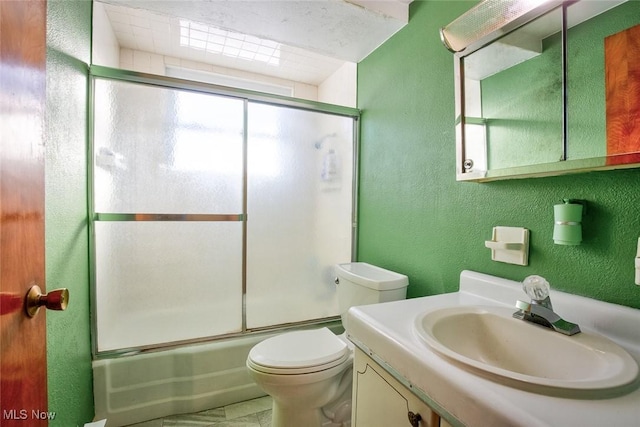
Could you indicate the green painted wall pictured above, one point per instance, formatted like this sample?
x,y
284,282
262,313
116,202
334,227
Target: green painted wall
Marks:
x,y
67,250
416,219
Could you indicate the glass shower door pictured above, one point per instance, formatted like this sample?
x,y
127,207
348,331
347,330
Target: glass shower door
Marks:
x,y
299,212
168,201
214,213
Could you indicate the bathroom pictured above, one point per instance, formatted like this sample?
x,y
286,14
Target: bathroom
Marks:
x,y
414,217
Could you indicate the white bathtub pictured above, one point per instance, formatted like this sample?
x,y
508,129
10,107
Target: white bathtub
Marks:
x,y
141,387
131,389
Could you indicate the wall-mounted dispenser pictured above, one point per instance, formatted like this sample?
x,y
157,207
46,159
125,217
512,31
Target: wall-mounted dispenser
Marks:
x,y
638,264
329,166
567,228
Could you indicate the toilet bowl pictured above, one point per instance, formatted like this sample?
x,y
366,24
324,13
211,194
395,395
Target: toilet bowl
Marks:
x,y
308,373
302,371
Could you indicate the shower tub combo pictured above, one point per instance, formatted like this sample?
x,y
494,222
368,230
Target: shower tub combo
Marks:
x,y
216,218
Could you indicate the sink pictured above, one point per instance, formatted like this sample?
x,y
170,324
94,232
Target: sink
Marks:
x,y
488,341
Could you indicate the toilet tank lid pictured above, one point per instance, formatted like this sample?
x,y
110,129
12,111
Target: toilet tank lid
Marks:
x,y
371,276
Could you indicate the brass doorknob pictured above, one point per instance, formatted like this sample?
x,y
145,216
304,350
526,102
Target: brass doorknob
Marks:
x,y
414,419
58,299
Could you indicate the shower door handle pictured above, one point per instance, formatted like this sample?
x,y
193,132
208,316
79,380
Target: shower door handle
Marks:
x,y
58,299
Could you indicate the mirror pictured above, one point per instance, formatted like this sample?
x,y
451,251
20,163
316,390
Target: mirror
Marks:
x,y
522,110
603,81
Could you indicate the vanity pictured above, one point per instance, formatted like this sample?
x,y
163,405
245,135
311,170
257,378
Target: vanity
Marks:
x,y
401,380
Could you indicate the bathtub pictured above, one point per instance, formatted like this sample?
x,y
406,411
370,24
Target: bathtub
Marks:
x,y
145,386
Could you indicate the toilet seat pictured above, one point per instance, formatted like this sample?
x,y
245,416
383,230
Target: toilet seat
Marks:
x,y
299,352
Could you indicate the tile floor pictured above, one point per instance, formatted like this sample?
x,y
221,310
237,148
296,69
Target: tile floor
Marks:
x,y
252,413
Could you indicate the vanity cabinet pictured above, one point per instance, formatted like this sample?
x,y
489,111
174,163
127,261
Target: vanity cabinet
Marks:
x,y
379,400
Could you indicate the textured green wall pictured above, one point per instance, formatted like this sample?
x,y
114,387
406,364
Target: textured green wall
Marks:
x,y
416,219
67,265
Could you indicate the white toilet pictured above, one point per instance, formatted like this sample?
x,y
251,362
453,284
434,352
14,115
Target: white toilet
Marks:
x,y
308,373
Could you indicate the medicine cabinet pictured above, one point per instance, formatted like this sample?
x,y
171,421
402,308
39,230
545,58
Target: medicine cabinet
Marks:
x,y
546,89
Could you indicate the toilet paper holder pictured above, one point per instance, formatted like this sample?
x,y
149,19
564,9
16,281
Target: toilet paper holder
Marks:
x,y
509,245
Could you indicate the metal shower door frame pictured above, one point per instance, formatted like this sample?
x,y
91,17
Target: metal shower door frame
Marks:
x,y
105,73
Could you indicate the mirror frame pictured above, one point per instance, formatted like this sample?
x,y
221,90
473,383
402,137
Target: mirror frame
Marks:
x,y
561,167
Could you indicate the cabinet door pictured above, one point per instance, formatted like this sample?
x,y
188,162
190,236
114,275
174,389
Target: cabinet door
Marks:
x,y
381,401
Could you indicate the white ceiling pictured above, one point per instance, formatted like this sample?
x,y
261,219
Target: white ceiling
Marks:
x,y
303,40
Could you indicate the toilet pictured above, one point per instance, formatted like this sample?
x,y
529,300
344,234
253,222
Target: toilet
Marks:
x,y
308,373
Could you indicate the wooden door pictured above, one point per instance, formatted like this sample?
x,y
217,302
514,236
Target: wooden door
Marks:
x,y
23,375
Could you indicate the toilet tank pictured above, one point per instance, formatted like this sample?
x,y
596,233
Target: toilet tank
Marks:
x,y
360,283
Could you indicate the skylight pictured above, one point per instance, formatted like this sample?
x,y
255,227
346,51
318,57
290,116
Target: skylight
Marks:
x,y
235,45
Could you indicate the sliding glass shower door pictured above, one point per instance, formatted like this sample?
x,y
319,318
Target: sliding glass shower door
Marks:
x,y
299,212
168,164
213,213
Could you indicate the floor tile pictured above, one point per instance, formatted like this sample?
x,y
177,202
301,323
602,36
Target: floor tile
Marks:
x,y
205,418
265,418
152,423
245,421
249,407
252,413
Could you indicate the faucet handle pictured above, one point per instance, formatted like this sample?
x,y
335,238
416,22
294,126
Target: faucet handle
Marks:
x,y
536,287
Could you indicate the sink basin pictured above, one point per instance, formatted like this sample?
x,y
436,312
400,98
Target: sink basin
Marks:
x,y
491,343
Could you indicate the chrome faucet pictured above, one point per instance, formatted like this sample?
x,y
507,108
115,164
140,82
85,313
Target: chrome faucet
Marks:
x,y
540,309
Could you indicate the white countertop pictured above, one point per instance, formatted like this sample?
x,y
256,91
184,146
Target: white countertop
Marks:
x,y
386,332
